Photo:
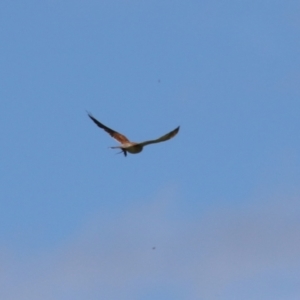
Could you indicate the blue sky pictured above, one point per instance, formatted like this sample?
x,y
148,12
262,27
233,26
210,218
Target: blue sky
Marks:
x,y
213,213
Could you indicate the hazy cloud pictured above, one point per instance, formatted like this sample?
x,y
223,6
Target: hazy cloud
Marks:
x,y
250,252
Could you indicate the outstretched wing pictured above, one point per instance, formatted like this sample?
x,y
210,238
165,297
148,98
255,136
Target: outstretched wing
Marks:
x,y
163,138
116,135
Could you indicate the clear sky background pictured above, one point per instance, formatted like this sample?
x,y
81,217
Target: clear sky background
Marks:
x,y
213,213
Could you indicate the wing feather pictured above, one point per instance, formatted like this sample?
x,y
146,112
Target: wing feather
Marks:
x,y
163,138
116,135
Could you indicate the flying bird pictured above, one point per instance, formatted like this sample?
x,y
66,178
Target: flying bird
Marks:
x,y
132,147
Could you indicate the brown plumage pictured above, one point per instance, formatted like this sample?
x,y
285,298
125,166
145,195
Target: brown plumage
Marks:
x,y
132,147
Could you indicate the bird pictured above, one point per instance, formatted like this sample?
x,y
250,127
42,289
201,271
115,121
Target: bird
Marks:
x,y
128,146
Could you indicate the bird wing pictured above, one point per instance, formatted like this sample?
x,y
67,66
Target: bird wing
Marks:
x,y
163,138
116,135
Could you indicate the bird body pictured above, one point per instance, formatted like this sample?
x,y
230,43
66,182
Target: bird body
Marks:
x,y
132,147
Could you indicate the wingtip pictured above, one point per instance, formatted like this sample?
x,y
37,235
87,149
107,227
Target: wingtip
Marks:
x,y
89,114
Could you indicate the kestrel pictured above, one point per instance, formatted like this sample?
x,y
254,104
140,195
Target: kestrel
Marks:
x,y
131,147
